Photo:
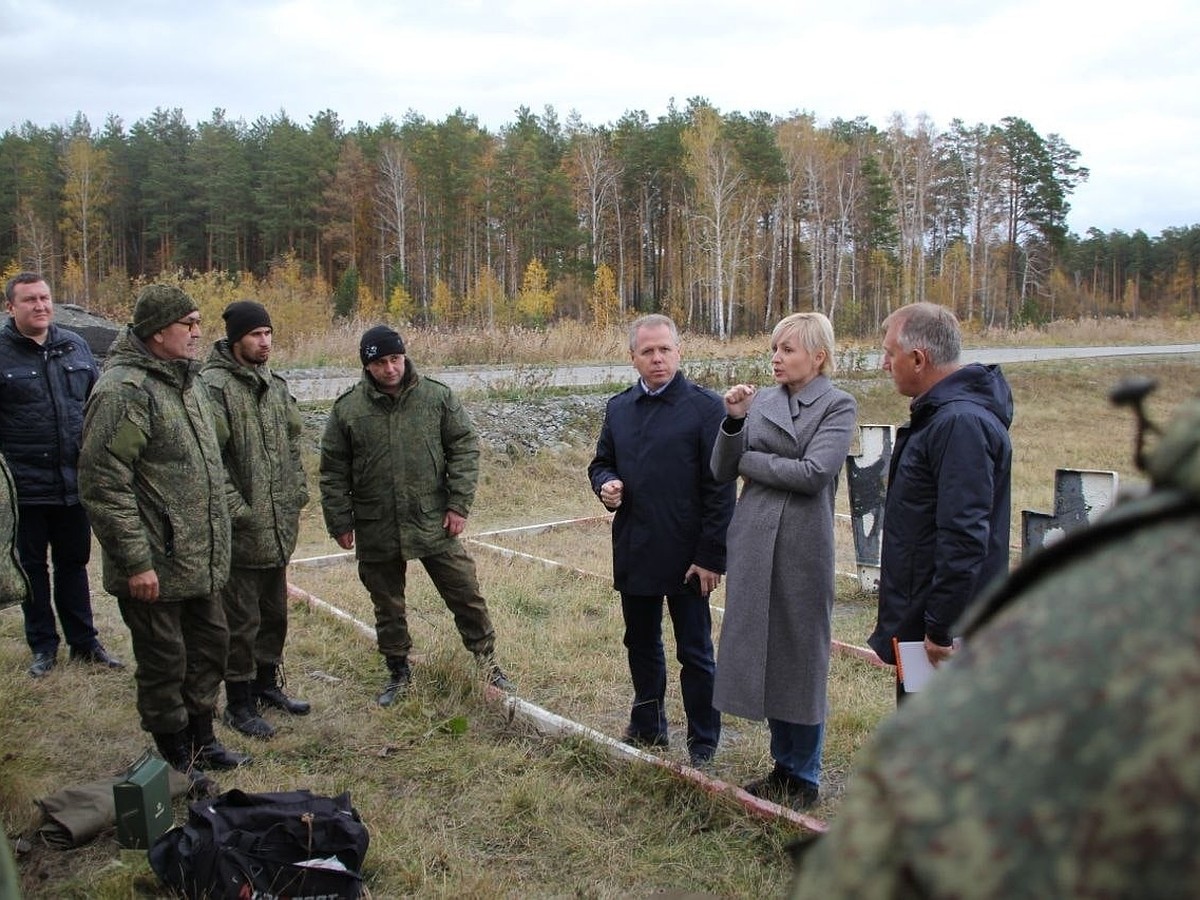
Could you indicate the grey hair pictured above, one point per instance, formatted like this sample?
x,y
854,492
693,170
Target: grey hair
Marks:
x,y
928,327
654,320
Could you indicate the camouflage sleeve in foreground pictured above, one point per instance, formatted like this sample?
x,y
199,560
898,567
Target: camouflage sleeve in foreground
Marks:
x,y
14,586
1056,757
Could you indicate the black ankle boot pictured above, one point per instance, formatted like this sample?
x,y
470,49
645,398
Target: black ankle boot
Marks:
x,y
207,751
242,714
173,748
399,678
268,691
486,662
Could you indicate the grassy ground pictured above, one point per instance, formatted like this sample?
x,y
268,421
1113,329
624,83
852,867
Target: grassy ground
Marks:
x,y
499,811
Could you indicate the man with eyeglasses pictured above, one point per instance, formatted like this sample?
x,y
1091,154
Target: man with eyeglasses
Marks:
x,y
154,484
46,374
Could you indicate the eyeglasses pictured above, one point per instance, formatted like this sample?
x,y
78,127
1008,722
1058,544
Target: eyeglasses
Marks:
x,y
189,324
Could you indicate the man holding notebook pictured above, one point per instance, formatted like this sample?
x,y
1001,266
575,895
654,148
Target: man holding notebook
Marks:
x,y
948,505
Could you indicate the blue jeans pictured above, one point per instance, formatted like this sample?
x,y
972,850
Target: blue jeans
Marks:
x,y
797,748
691,618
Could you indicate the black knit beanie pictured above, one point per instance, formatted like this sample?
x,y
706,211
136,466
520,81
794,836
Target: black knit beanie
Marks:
x,y
243,316
378,342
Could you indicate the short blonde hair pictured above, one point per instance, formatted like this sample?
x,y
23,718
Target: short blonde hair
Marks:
x,y
814,331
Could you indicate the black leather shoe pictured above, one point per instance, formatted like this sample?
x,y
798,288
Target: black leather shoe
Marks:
x,y
770,786
42,664
783,788
645,741
98,656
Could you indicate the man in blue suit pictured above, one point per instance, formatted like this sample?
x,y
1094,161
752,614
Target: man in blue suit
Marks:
x,y
652,468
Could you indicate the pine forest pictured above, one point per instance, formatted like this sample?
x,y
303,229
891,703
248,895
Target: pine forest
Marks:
x,y
726,221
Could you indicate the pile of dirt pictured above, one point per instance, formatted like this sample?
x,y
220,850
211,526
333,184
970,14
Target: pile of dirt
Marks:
x,y
514,427
98,331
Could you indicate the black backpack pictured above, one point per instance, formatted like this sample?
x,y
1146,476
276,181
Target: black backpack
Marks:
x,y
240,846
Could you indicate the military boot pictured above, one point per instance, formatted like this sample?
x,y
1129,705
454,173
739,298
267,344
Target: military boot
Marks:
x,y
173,748
242,714
268,691
207,751
399,678
486,663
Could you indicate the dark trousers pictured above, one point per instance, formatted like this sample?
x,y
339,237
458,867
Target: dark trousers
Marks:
x,y
453,574
691,618
255,602
180,647
64,532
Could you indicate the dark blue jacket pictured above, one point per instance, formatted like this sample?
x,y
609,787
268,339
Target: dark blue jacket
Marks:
x,y
674,513
948,507
42,391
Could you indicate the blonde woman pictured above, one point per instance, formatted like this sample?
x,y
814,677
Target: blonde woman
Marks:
x,y
788,442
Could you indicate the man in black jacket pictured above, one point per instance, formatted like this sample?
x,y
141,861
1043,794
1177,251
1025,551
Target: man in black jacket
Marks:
x,y
48,373
948,505
652,467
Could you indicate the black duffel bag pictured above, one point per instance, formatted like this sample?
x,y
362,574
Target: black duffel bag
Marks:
x,y
285,844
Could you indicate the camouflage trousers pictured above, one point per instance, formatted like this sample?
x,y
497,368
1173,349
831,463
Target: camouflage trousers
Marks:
x,y
453,574
180,648
255,602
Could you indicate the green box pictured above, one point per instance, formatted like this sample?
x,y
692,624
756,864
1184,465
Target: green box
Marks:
x,y
142,799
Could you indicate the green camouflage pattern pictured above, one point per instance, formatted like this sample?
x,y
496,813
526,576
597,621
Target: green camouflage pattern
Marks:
x,y
1058,755
14,586
259,429
392,466
151,474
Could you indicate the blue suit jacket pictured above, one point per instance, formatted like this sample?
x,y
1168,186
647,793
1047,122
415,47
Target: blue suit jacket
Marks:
x,y
674,513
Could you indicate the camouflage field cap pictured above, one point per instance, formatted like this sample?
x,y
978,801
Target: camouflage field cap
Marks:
x,y
157,306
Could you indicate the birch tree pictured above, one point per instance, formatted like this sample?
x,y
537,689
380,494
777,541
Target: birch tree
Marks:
x,y
720,211
86,176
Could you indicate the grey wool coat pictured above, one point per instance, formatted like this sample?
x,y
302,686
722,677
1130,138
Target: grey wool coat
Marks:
x,y
773,657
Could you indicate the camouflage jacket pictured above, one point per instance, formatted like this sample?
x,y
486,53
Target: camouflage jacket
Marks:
x,y
259,429
14,585
1056,756
151,475
392,466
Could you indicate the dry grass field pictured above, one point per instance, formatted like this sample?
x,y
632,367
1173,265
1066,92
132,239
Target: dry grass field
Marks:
x,y
569,341
499,810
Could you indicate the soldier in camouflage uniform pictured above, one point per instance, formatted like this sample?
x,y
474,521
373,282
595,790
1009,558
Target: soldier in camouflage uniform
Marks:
x,y
399,465
152,479
259,426
1058,755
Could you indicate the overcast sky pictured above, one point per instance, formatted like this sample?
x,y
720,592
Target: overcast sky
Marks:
x,y
1121,86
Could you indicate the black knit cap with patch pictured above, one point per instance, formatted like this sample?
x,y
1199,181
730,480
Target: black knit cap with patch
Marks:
x,y
379,342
